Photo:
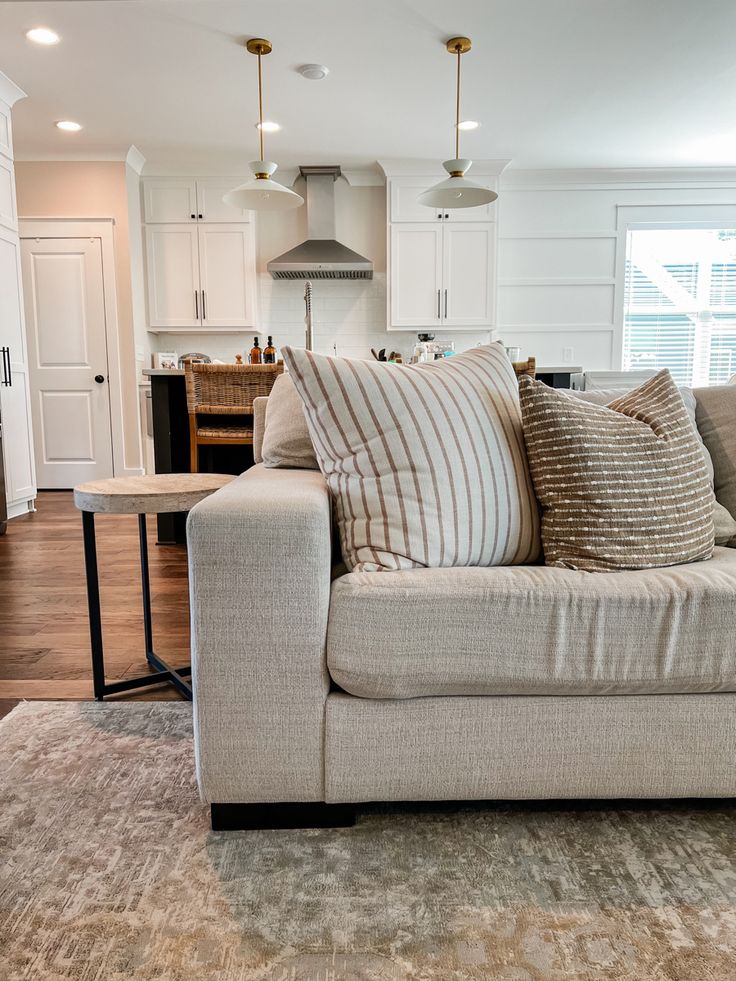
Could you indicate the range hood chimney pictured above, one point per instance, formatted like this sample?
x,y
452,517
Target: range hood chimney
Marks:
x,y
321,256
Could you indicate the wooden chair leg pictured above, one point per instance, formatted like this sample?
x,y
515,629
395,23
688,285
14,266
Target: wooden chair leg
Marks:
x,y
193,447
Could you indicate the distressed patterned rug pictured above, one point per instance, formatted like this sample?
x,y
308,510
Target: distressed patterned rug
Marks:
x,y
108,870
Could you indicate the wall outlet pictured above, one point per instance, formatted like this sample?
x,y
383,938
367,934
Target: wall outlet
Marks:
x,y
567,355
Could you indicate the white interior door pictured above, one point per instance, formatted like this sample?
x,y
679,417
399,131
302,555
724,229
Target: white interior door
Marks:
x,y
67,353
416,274
469,274
227,288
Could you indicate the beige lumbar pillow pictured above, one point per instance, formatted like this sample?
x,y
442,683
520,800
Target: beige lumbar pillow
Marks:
x,y
623,486
286,439
425,463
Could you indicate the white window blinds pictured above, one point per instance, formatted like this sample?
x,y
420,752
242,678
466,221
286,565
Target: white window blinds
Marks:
x,y
680,303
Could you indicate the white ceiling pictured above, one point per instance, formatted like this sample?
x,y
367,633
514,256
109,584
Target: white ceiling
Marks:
x,y
555,83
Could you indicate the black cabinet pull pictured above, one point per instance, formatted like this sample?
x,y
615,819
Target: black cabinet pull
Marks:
x,y
200,217
196,305
445,304
204,315
192,216
438,305
7,370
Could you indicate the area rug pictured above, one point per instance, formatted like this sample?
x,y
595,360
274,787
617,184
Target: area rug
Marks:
x,y
108,871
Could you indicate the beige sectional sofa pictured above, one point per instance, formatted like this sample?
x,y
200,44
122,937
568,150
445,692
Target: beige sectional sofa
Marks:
x,y
316,690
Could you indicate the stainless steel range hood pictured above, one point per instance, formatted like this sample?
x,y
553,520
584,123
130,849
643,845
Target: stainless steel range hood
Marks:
x,y
321,256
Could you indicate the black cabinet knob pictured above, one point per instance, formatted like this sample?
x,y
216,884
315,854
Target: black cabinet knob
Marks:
x,y
99,379
192,216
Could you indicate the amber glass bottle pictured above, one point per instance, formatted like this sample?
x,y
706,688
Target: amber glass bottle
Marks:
x,y
269,352
256,354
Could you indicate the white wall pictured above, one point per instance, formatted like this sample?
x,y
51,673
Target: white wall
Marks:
x,y
561,252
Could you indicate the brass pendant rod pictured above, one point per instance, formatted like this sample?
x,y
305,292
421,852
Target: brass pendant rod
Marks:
x,y
457,107
260,105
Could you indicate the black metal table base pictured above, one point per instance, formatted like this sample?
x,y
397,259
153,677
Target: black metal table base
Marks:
x,y
164,673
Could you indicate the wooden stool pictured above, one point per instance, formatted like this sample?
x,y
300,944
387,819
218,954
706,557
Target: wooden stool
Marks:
x,y
153,494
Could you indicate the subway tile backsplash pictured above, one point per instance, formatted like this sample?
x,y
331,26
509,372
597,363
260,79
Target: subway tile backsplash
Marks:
x,y
348,316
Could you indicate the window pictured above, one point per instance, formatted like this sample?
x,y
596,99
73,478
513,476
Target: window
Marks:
x,y
680,303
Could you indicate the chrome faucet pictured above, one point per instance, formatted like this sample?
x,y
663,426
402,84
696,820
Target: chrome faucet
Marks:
x,y
308,319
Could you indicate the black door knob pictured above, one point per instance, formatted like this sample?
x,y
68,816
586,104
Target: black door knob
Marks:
x,y
99,379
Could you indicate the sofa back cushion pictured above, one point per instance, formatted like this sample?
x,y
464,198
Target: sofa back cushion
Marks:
x,y
286,439
715,412
426,463
623,486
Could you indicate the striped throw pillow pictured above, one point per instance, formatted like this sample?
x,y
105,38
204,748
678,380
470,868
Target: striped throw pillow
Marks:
x,y
425,463
622,486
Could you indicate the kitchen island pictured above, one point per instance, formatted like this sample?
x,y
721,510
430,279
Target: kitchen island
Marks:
x,y
171,444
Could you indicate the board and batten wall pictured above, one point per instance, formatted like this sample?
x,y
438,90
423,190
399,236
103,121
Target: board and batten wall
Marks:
x,y
562,240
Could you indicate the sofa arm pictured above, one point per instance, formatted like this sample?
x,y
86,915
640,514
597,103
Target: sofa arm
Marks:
x,y
259,583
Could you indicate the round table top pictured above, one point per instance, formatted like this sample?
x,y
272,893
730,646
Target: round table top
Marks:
x,y
154,493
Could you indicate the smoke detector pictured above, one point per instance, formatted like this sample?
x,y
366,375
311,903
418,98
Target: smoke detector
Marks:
x,y
314,72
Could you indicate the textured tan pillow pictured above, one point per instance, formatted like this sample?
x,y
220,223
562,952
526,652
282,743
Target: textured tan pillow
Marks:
x,y
425,463
286,439
623,486
723,521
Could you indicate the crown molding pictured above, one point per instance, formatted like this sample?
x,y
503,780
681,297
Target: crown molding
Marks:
x,y
9,91
595,178
135,159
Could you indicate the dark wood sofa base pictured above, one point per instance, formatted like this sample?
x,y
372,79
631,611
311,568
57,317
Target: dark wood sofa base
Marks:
x,y
254,817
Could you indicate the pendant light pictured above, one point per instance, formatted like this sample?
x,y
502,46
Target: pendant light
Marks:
x,y
457,191
260,193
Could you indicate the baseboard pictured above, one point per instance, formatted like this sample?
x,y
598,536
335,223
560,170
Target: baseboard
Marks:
x,y
254,817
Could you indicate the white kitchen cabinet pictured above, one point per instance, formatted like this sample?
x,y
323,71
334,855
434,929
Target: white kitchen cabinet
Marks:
x,y
189,199
8,216
441,262
172,262
17,442
200,276
442,275
468,267
227,291
416,275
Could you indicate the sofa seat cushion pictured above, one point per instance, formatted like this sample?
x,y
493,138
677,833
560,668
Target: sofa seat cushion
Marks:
x,y
535,630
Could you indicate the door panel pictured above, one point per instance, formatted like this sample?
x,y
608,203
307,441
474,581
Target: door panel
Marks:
x,y
172,256
67,348
468,274
224,260
210,204
416,274
170,200
8,216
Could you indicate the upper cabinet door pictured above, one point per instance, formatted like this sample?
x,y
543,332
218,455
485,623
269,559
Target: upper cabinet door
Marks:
x,y
226,275
416,275
404,203
469,268
172,260
211,207
169,200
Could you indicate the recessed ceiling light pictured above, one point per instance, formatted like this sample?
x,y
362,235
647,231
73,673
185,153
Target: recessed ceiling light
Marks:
x,y
43,35
468,124
68,125
314,72
268,126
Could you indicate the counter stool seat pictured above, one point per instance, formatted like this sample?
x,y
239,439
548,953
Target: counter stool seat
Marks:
x,y
150,494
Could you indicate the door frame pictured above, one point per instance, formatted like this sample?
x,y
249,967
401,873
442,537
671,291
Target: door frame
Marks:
x,y
102,229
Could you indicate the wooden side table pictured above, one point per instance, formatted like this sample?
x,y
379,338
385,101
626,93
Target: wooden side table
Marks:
x,y
153,494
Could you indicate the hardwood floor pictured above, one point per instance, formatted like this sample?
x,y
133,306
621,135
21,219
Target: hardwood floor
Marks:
x,y
44,631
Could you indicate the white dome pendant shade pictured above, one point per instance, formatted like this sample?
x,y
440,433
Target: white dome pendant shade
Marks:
x,y
260,193
457,191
